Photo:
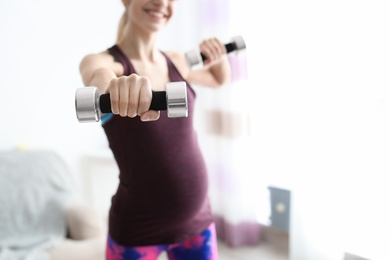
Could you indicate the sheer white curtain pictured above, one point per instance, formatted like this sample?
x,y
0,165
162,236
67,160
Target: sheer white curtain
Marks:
x,y
223,119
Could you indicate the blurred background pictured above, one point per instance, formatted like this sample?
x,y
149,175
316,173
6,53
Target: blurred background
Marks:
x,y
299,142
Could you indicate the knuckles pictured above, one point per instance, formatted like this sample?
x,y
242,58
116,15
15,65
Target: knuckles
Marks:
x,y
123,98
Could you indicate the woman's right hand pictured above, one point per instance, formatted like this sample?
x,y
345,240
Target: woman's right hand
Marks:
x,y
131,96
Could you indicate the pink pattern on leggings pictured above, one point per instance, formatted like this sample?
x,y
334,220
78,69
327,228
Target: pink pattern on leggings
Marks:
x,y
114,252
200,247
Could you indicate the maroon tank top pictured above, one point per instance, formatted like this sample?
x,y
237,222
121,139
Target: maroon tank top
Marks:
x,y
162,194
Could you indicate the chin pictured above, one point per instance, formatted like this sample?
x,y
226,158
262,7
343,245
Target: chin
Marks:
x,y
156,28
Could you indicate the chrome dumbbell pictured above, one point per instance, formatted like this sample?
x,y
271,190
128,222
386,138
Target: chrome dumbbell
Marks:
x,y
90,105
196,58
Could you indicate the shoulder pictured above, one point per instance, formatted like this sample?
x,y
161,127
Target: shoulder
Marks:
x,y
97,58
104,59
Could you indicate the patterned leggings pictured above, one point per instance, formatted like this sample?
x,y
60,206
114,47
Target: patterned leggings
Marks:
x,y
200,247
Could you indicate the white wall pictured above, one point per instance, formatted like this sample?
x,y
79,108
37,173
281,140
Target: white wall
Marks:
x,y
41,47
319,75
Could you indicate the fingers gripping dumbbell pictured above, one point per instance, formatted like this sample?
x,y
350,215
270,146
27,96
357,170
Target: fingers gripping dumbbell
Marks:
x,y
90,105
195,58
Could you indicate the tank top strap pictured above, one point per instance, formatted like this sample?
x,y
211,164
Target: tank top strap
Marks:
x,y
120,57
175,75
172,70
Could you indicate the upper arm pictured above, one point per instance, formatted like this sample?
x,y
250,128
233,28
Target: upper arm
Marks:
x,y
89,65
98,69
202,76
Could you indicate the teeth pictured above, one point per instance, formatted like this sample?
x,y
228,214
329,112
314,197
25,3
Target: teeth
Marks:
x,y
156,14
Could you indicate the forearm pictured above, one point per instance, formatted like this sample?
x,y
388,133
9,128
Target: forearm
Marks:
x,y
221,72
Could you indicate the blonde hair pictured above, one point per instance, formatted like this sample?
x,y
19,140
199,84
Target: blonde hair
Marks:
x,y
121,26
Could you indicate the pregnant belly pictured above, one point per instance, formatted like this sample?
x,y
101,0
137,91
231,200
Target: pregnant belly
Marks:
x,y
169,194
181,194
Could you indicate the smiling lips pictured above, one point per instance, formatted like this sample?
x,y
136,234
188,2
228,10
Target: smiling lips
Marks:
x,y
156,14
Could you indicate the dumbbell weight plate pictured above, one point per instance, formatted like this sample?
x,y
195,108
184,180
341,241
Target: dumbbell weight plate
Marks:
x,y
87,105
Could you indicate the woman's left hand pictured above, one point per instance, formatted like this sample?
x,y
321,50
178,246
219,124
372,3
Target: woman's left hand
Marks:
x,y
213,49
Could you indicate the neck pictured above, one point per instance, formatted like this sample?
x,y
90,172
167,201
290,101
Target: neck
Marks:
x,y
139,45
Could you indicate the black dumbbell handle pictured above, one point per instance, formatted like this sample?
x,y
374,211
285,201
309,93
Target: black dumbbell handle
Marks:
x,y
230,47
159,102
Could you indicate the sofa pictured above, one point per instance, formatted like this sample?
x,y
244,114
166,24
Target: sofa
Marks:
x,y
42,214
